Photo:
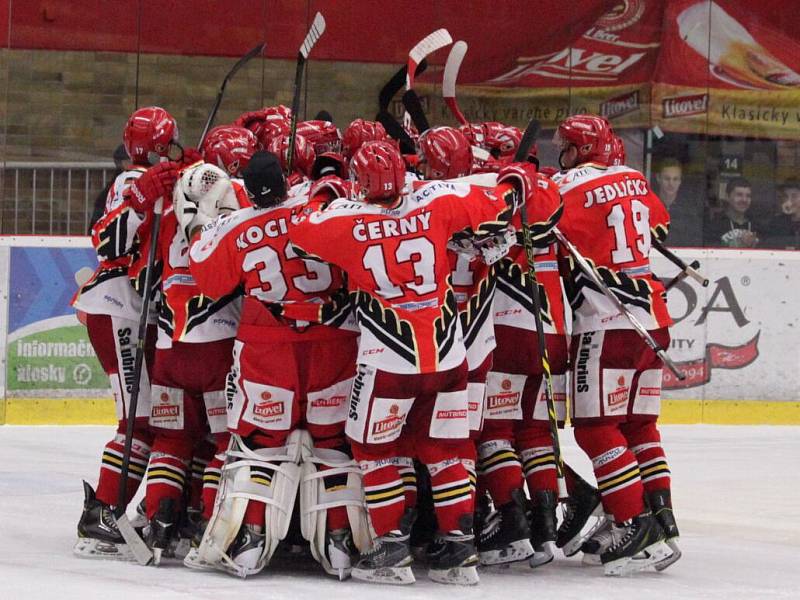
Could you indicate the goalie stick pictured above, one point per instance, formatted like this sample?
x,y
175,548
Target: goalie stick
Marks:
x,y
587,269
312,37
528,139
451,68
255,51
140,551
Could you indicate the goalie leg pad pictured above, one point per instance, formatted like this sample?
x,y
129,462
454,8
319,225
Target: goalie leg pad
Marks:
x,y
331,479
268,475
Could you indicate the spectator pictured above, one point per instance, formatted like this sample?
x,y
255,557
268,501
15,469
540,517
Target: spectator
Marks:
x,y
733,227
685,212
783,229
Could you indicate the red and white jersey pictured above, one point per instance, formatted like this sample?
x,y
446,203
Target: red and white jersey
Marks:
x,y
398,268
610,214
116,238
186,313
251,250
513,305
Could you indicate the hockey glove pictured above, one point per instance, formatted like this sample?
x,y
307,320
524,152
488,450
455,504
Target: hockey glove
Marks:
x,y
522,176
157,182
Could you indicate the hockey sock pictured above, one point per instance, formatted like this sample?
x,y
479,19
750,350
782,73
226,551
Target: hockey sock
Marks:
x,y
384,493
111,466
499,469
166,477
453,496
409,476
213,473
615,468
203,455
644,441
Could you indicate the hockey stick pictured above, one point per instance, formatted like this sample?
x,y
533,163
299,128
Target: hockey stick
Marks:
x,y
413,107
143,554
427,45
587,269
528,139
385,118
451,68
687,270
255,51
313,35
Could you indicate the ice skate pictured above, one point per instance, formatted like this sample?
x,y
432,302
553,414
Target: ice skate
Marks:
x,y
583,516
597,544
246,551
453,559
637,543
389,561
660,503
504,536
543,527
340,549
98,536
163,528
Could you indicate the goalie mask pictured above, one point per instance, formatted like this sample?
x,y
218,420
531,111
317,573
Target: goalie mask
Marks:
x,y
264,180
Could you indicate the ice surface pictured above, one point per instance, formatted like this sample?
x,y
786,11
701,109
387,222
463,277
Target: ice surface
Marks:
x,y
736,495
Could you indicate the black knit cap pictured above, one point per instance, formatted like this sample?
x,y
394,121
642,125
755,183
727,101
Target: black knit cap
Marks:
x,y
264,179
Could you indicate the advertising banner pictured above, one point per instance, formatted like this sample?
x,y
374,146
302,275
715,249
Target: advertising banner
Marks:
x,y
737,338
48,353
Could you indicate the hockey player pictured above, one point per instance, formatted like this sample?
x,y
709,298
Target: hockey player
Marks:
x,y
359,132
111,308
293,368
193,352
266,122
411,358
610,215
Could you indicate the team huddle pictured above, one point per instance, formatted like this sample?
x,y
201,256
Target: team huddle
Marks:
x,y
343,346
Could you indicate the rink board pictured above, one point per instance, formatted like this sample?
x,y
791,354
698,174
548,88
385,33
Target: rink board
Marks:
x,y
737,339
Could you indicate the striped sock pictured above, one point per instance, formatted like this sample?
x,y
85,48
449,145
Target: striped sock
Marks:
x,y
384,492
409,476
619,483
539,465
166,477
111,467
499,469
653,466
453,494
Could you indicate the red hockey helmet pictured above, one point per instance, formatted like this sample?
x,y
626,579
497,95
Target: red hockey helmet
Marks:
x,y
444,153
591,136
304,155
230,148
149,129
474,134
360,132
379,169
501,140
323,136
617,156
266,122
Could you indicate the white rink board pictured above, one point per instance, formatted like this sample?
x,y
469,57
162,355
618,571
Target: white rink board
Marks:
x,y
751,293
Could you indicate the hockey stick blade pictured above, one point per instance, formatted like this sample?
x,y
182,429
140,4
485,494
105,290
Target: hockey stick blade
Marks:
x,y
527,141
413,105
451,69
313,35
140,551
427,45
255,51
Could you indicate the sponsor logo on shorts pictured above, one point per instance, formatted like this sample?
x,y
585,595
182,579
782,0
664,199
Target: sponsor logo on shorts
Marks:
x,y
332,402
268,409
582,368
390,423
619,395
165,411
650,391
474,406
217,411
451,414
355,393
503,400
